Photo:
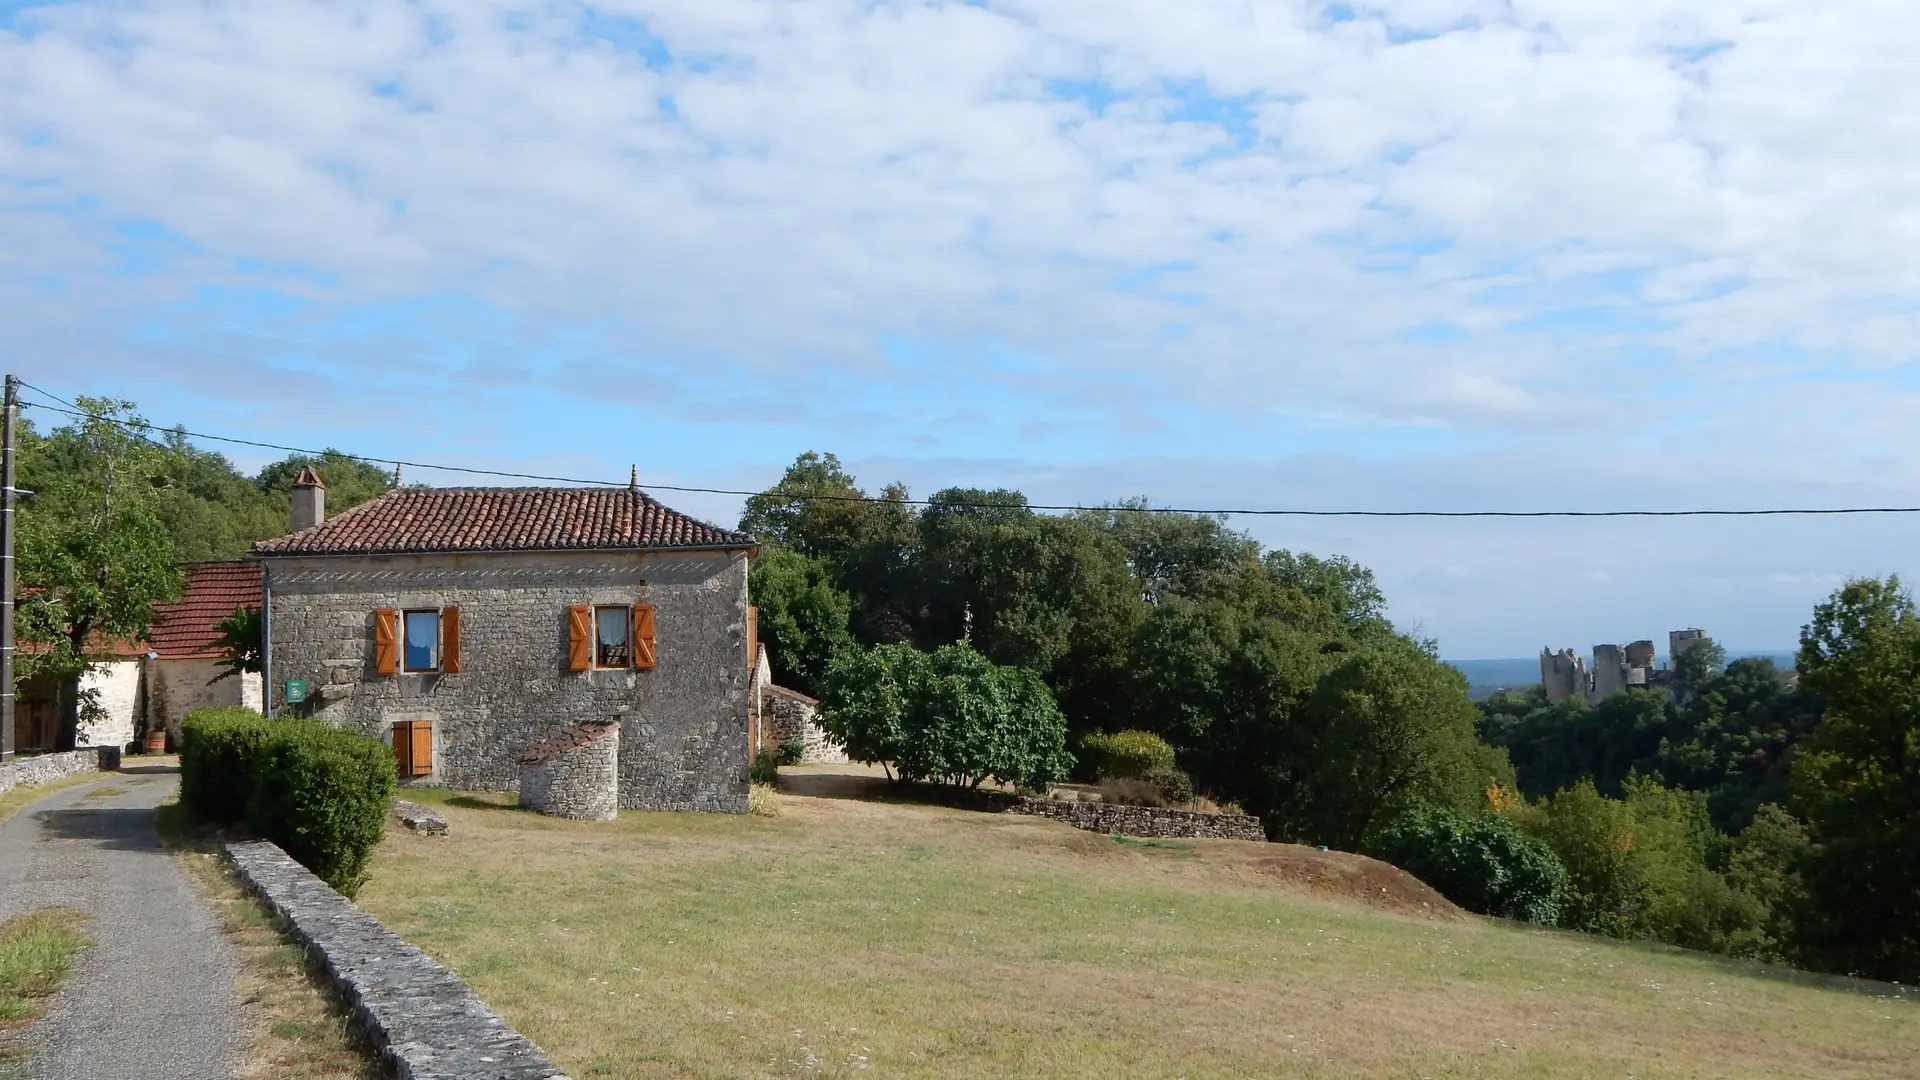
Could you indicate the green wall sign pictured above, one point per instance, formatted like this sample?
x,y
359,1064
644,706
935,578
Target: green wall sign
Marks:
x,y
296,691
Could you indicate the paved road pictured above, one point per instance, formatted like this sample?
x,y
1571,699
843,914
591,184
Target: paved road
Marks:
x,y
153,999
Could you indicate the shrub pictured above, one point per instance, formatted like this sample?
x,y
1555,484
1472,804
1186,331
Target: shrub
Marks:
x,y
1130,791
765,768
1482,863
949,716
1175,787
1131,754
318,791
322,795
761,801
216,748
1170,788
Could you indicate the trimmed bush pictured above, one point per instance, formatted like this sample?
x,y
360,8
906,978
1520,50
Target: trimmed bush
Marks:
x,y
1482,863
322,795
216,745
318,791
1128,754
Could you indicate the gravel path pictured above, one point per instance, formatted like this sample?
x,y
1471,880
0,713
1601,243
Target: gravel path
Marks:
x,y
153,999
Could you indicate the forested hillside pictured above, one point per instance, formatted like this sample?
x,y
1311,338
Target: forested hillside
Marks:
x,y
1725,815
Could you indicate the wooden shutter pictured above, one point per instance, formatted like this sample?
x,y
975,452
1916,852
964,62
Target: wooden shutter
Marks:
x,y
450,640
421,756
403,747
643,636
579,637
753,636
386,641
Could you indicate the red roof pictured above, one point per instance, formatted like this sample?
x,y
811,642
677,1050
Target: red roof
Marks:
x,y
504,519
185,628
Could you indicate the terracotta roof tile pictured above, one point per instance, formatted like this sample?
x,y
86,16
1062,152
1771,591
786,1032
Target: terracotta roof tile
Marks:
x,y
185,628
504,519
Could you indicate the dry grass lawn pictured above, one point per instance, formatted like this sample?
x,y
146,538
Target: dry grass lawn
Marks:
x,y
846,937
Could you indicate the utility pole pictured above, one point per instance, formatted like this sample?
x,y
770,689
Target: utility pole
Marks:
x,y
12,406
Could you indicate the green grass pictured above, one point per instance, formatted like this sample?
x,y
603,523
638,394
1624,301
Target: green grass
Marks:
x,y
37,952
845,938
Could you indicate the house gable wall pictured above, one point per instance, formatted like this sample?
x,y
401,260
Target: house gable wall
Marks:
x,y
683,738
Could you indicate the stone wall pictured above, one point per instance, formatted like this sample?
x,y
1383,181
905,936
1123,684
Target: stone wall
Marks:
x,y
683,737
176,688
45,768
574,773
1109,817
423,1021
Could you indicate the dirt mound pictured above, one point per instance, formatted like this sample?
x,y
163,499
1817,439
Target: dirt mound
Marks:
x,y
1342,875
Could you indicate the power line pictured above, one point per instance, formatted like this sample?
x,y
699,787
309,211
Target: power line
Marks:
x,y
70,409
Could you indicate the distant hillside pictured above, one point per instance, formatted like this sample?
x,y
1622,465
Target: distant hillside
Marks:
x,y
1498,674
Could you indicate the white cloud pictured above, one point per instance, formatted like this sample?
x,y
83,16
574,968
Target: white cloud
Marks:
x,y
1723,188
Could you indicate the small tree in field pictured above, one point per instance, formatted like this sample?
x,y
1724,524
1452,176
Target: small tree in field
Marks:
x,y
949,716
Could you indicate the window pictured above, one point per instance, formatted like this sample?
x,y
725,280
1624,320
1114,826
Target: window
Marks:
x,y
413,747
422,651
613,637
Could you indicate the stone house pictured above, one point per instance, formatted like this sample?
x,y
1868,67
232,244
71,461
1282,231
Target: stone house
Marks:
x,y
466,625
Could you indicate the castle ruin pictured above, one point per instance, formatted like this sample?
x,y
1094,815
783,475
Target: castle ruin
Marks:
x,y
1615,668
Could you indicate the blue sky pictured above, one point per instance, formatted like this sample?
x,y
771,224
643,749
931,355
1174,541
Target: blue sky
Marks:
x,y
1437,254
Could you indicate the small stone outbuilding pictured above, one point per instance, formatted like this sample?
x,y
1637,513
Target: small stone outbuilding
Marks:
x,y
574,773
135,687
783,717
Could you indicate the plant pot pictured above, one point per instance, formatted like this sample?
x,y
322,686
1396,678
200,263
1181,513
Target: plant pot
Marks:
x,y
157,741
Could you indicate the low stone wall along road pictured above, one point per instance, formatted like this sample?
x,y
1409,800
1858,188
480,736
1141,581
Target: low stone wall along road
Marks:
x,y
426,1023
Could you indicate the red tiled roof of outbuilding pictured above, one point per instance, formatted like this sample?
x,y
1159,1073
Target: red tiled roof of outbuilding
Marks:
x,y
184,628
505,519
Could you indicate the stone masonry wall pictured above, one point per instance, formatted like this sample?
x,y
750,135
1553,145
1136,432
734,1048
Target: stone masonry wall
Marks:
x,y
45,768
1109,817
574,774
176,688
683,738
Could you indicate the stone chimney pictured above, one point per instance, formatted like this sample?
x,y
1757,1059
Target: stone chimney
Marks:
x,y
309,500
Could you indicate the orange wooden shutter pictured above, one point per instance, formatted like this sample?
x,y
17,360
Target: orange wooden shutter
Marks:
x,y
403,747
386,641
753,635
450,640
579,637
421,756
643,636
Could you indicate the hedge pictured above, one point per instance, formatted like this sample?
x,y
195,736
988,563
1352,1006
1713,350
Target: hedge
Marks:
x,y
215,748
318,791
